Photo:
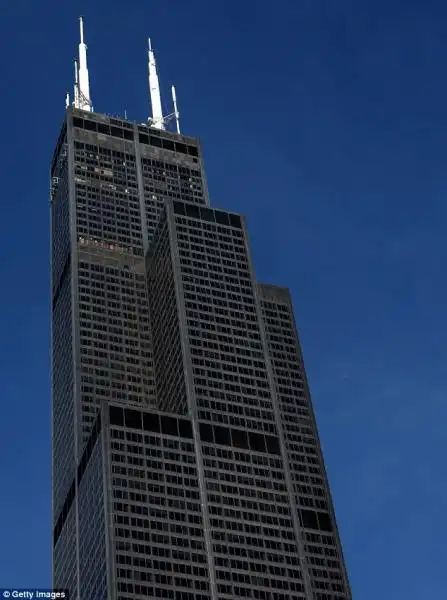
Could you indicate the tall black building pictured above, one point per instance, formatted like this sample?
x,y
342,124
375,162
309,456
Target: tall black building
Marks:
x,y
186,459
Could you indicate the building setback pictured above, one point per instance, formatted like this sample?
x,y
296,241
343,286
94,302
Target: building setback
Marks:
x,y
186,458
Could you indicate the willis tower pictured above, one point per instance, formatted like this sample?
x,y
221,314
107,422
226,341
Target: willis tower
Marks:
x,y
186,458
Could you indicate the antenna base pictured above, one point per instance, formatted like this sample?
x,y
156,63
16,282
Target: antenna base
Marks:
x,y
161,123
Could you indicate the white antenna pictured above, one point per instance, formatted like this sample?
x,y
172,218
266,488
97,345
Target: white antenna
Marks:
x,y
176,113
76,85
84,100
157,120
67,100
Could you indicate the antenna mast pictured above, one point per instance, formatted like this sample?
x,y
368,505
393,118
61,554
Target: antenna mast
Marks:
x,y
157,120
176,112
84,101
76,86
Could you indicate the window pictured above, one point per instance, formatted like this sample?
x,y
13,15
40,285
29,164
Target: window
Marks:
x,y
192,211
235,221
90,125
181,147
179,208
257,442
308,518
154,141
239,438
168,145
222,436
169,425
185,428
272,444
151,422
116,415
104,129
132,418
206,433
207,214
116,132
221,217
324,521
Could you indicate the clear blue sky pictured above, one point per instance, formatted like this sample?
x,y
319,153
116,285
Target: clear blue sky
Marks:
x,y
325,123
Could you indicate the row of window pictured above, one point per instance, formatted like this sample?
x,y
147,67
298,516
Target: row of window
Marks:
x,y
207,214
152,422
238,438
128,134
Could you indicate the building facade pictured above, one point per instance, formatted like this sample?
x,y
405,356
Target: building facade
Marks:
x,y
186,459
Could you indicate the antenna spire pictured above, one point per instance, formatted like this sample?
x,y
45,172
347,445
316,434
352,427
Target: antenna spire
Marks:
x,y
84,101
157,120
76,85
176,112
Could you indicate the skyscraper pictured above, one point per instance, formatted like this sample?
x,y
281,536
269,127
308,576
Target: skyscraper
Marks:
x,y
186,459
